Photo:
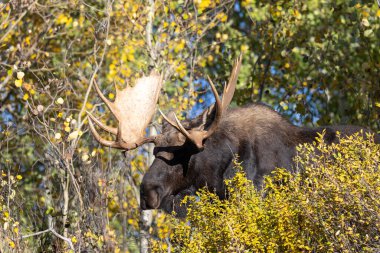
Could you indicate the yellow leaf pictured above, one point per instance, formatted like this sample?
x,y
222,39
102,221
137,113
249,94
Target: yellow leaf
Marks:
x,y
85,157
164,36
297,14
89,106
19,177
244,47
377,104
365,22
18,83
63,20
222,17
180,46
284,105
60,101
365,13
73,135
20,75
12,244
57,136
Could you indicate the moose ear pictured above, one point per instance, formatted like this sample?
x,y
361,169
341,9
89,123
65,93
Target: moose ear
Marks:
x,y
204,120
165,124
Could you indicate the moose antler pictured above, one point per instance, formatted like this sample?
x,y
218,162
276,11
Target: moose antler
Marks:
x,y
133,108
198,136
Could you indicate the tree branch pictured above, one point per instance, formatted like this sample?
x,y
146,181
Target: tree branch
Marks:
x,y
67,240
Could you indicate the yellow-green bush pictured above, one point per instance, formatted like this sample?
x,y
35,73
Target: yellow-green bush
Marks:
x,y
331,205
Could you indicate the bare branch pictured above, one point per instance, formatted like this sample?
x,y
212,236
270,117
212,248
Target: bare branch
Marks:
x,y
67,240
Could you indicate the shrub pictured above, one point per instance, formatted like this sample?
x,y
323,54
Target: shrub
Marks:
x,y
331,205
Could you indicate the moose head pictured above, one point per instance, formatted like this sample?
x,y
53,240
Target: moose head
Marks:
x,y
175,146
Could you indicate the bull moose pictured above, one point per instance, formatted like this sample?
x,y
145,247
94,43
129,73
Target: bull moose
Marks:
x,y
200,152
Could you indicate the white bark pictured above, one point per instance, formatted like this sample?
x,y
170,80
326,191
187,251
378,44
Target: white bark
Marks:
x,y
146,216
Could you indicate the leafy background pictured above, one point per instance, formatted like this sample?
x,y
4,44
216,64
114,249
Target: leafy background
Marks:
x,y
316,61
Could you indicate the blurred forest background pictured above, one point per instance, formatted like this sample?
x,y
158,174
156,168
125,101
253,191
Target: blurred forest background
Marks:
x,y
315,61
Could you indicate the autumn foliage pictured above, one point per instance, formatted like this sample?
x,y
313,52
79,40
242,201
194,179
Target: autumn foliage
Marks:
x,y
315,61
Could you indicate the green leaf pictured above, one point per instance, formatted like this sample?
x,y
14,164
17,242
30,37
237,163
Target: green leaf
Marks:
x,y
368,33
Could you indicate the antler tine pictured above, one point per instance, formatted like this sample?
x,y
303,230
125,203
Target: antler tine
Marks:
x,y
112,130
111,144
182,129
105,100
198,136
229,90
218,113
228,93
176,125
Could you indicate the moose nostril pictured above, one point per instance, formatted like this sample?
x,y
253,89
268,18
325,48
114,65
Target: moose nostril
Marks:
x,y
152,198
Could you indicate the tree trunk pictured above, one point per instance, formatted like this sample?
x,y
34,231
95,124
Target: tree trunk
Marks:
x,y
146,215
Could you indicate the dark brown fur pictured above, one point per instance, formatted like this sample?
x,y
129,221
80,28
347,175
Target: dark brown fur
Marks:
x,y
262,139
